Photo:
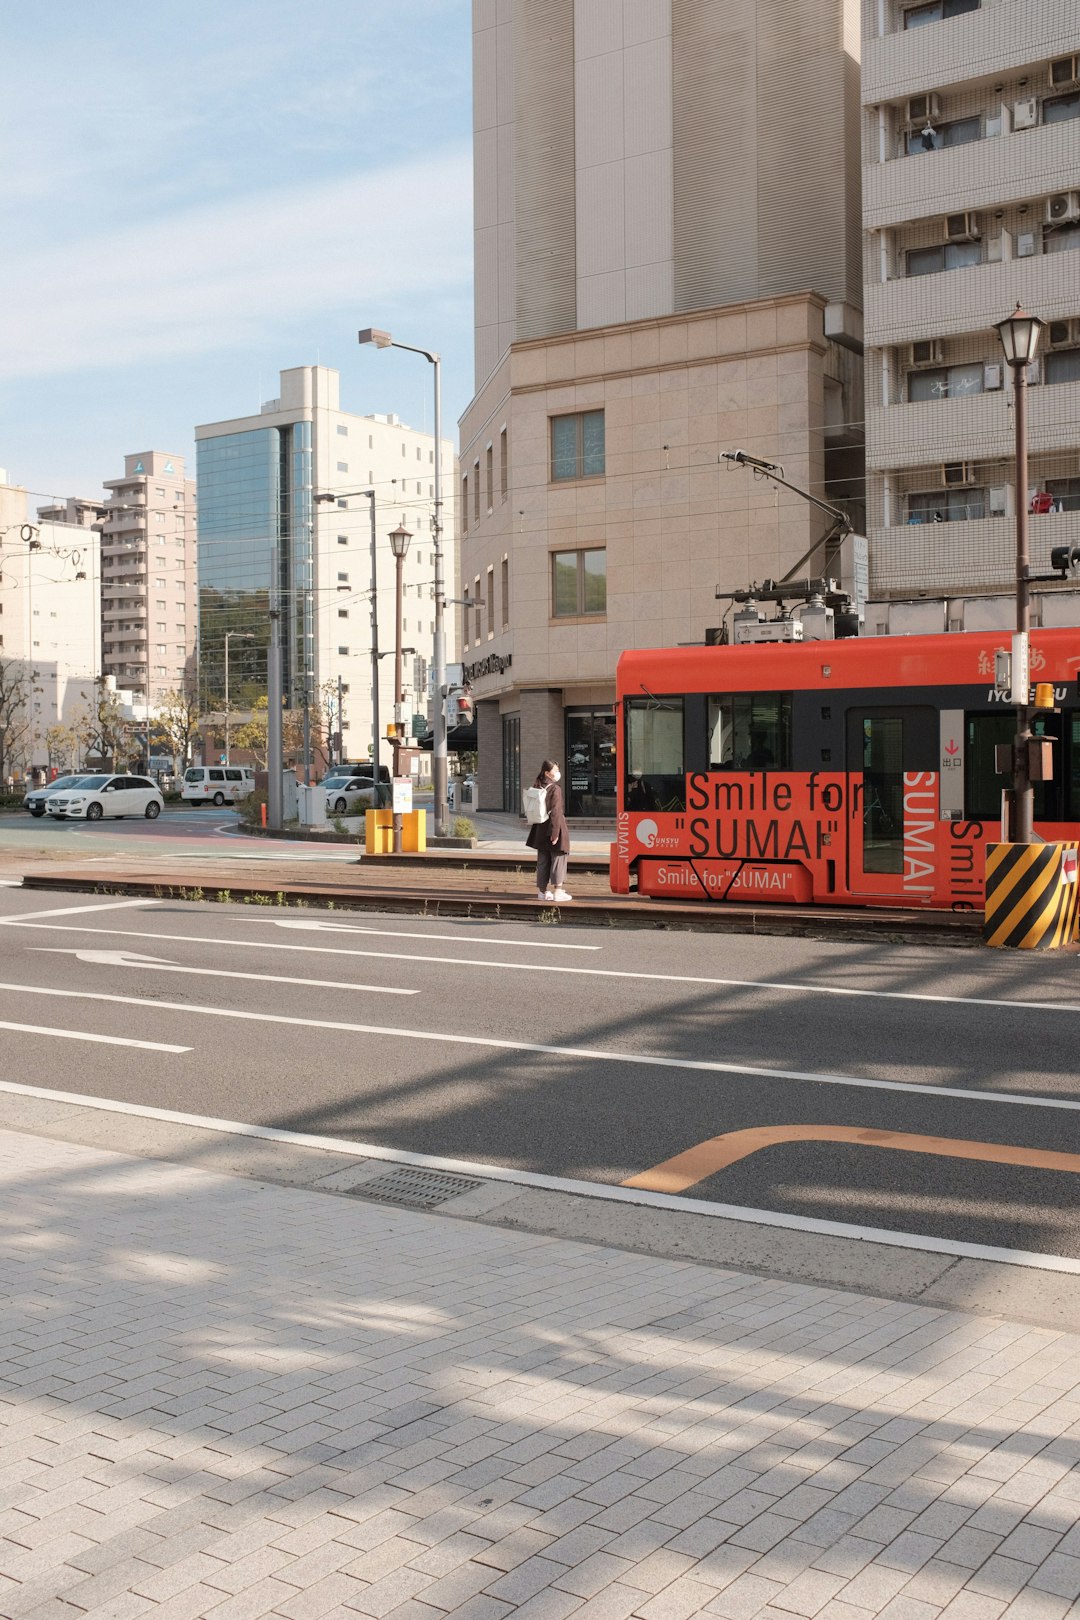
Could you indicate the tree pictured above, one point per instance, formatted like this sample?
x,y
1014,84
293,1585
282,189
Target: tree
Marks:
x,y
252,735
178,721
63,746
100,726
16,714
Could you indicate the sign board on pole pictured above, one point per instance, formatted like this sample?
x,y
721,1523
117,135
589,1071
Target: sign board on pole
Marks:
x,y
860,573
1021,669
402,796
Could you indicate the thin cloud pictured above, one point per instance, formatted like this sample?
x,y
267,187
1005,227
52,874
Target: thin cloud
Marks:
x,y
225,275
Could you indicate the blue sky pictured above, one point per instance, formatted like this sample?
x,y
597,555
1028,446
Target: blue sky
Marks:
x,y
194,195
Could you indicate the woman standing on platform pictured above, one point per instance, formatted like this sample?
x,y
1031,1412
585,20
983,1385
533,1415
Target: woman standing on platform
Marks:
x,y
549,836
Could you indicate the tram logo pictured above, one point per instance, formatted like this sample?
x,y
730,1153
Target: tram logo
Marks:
x,y
646,833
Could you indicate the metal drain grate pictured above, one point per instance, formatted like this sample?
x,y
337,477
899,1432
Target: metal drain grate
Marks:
x,y
422,1189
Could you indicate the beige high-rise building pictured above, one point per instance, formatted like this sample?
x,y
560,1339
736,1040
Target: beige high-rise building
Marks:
x,y
667,268
148,558
50,621
971,147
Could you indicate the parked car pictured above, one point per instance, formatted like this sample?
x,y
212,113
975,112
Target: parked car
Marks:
x,y
35,797
349,794
217,784
96,796
363,768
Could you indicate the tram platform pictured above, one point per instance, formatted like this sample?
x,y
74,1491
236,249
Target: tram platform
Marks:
x,y
486,885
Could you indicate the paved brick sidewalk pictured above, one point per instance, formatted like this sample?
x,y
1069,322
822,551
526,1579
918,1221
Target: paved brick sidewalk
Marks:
x,y
232,1399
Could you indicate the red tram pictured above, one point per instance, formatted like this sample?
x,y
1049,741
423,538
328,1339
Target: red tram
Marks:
x,y
858,771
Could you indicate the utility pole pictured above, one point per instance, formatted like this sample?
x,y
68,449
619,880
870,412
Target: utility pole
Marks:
x,y
399,545
375,734
340,722
275,763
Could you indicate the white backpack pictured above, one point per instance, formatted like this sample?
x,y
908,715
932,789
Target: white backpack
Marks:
x,y
534,800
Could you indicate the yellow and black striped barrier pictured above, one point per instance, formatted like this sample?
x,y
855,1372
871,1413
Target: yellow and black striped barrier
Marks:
x,y
1032,895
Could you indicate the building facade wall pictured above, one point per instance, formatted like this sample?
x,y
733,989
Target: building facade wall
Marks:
x,y
264,531
671,521
50,625
148,593
960,224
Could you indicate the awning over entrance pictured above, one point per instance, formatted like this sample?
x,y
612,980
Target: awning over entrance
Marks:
x,y
459,740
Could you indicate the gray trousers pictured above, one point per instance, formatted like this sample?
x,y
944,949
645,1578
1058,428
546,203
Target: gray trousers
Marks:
x,y
550,869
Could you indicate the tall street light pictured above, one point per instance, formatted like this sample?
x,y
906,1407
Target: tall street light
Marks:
x,y
399,545
231,635
439,769
1019,334
336,495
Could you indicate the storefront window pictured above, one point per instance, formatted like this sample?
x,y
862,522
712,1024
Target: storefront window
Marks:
x,y
590,773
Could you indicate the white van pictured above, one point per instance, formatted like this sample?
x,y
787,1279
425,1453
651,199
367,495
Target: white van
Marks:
x,y
217,784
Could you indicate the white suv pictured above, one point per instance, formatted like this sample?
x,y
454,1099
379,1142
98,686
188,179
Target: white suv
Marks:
x,y
97,796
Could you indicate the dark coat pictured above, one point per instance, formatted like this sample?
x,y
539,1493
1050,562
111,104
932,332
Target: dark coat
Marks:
x,y
554,830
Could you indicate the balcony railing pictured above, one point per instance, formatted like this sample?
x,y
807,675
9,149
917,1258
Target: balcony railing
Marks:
x,y
955,301
974,427
962,557
987,174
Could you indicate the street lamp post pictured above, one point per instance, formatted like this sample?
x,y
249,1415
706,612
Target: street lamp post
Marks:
x,y
399,545
231,635
439,766
374,593
1019,335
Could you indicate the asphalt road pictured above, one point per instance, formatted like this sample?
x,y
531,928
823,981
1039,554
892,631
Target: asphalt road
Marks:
x,y
579,1055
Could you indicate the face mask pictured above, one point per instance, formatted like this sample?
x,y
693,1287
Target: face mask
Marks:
x,y
556,775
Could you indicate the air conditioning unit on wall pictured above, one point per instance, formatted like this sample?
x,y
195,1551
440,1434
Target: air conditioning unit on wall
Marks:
x,y
958,474
1062,334
922,108
1064,72
927,352
962,228
1063,208
1025,114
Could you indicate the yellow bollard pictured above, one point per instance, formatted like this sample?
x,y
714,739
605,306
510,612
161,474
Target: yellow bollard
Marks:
x,y
1032,895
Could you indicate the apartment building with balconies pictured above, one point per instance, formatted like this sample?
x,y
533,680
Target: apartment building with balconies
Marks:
x,y
148,567
971,201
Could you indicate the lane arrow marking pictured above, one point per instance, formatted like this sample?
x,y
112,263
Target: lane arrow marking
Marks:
x,y
314,923
159,964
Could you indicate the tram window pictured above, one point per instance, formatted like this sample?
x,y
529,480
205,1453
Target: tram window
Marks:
x,y
750,731
655,766
982,784
1074,770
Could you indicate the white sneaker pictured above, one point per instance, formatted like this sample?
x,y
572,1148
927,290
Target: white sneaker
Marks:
x,y
561,894
540,895
550,895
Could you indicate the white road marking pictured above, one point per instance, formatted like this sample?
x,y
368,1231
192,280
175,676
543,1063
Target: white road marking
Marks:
x,y
245,855
133,959
592,1053
470,962
84,1035
584,1189
392,933
71,911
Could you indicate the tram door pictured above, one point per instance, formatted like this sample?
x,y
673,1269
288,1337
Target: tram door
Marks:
x,y
885,745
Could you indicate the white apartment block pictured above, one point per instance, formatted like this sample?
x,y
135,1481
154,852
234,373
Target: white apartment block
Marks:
x,y
50,624
971,199
264,533
148,603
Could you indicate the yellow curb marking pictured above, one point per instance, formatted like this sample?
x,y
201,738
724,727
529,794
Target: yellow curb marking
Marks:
x,y
687,1169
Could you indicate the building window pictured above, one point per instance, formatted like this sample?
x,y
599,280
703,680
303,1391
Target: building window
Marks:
x,y
1062,365
937,11
946,505
343,613
935,138
476,492
1059,109
490,480
577,446
578,583
491,601
506,593
1066,497
343,652
342,430
342,539
946,382
949,256
465,504
343,466
477,611
343,579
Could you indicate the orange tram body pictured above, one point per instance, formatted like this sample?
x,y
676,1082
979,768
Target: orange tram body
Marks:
x,y
852,772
